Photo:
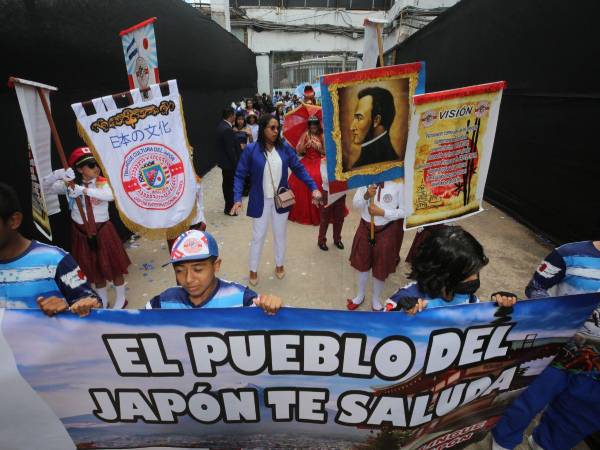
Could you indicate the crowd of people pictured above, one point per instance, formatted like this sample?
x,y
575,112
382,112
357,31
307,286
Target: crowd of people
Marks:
x,y
258,163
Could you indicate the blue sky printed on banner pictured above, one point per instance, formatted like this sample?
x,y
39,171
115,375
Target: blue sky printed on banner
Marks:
x,y
65,356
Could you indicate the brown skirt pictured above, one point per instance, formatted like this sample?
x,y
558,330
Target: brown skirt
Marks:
x,y
104,262
381,258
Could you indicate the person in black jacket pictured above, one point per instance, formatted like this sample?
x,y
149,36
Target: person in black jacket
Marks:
x,y
228,151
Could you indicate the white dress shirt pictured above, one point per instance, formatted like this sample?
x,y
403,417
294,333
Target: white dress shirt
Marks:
x,y
275,163
100,194
390,198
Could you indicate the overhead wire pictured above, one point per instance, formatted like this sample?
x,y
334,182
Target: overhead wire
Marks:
x,y
410,16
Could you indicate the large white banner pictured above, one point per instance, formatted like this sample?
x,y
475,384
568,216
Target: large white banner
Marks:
x,y
144,153
305,378
38,135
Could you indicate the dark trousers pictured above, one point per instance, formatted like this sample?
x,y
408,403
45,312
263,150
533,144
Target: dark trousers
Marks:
x,y
227,186
332,214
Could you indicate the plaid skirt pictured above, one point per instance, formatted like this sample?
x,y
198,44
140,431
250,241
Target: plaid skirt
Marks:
x,y
106,259
381,258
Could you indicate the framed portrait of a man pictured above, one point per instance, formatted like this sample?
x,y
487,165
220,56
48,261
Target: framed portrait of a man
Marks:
x,y
366,115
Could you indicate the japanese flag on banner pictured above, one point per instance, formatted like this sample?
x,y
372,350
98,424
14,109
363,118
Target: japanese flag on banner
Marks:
x,y
144,152
139,46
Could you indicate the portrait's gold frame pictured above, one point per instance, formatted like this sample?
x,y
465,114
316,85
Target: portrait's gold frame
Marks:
x,y
336,134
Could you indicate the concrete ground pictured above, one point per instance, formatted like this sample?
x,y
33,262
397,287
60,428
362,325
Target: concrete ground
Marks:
x,y
318,279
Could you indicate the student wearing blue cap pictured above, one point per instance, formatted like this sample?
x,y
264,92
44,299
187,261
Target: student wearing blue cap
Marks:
x,y
195,259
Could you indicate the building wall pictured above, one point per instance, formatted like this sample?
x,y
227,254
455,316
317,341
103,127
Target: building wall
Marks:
x,y
264,43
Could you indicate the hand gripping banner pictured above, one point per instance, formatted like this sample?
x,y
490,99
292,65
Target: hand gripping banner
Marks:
x,y
448,154
305,378
144,152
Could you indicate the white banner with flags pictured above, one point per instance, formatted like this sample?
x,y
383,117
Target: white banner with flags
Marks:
x,y
37,127
139,47
144,152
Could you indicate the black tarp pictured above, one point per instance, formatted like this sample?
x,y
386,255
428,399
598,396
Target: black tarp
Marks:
x,y
75,45
545,167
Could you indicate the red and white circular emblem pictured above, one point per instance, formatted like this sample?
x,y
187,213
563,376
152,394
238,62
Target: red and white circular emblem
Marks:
x,y
153,176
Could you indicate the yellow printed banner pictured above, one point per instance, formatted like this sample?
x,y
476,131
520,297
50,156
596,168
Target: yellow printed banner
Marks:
x,y
448,154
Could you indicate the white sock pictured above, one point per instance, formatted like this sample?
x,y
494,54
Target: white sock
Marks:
x,y
363,277
377,291
120,301
103,293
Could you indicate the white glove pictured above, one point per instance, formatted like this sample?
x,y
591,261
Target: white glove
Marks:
x,y
67,175
60,174
75,191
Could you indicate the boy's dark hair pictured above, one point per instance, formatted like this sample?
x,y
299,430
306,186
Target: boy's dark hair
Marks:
x,y
444,259
212,259
228,112
9,201
262,124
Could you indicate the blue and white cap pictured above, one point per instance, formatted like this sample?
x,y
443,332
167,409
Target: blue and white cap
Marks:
x,y
194,245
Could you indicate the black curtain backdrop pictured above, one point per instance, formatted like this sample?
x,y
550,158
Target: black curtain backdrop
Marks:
x,y
545,167
75,46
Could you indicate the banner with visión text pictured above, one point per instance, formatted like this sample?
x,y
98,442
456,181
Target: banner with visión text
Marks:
x,y
450,140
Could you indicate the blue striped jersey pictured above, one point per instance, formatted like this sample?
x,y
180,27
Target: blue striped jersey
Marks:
x,y
573,269
570,269
41,271
412,290
225,295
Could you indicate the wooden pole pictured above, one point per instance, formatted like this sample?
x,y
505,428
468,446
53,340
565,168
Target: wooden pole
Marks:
x,y
380,44
61,154
381,64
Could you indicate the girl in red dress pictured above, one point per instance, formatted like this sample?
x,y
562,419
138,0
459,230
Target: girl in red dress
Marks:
x,y
311,148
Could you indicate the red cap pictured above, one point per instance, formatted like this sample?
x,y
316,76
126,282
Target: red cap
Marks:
x,y
80,155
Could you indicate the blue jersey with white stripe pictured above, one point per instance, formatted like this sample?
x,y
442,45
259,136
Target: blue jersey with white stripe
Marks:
x,y
41,271
225,295
412,290
570,269
573,269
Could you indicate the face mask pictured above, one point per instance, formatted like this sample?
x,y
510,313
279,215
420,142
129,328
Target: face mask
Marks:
x,y
467,287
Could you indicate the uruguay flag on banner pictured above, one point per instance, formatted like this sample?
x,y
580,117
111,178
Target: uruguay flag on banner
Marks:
x,y
139,47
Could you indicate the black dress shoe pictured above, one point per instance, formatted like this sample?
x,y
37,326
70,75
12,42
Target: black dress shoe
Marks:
x,y
339,245
323,247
